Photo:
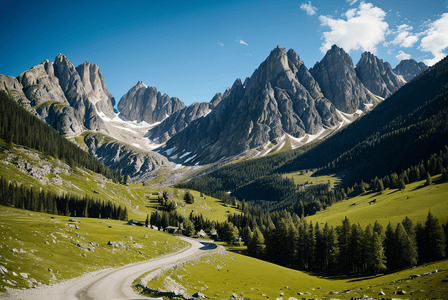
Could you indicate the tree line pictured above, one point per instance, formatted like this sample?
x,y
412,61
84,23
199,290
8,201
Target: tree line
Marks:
x,y
39,200
18,126
347,248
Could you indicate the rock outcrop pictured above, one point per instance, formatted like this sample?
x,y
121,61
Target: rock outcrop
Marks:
x,y
144,103
377,75
409,68
339,83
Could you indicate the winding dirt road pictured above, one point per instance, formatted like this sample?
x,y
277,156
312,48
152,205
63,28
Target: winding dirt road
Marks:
x,y
108,283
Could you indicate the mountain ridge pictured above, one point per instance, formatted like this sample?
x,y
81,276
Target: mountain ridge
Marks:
x,y
282,103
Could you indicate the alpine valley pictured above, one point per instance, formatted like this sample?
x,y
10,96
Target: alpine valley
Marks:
x,y
321,182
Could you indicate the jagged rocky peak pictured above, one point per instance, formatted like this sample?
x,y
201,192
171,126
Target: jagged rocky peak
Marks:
x,y
339,83
409,68
96,88
377,75
41,85
143,103
281,97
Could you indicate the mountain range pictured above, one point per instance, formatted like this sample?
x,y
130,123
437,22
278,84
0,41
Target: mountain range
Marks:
x,y
282,105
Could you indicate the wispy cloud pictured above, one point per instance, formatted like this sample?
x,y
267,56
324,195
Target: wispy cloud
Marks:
x,y
364,28
352,2
402,56
436,40
221,44
239,40
310,10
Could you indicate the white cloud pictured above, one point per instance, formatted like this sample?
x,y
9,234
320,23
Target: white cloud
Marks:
x,y
364,28
221,44
404,37
243,42
310,10
352,2
436,40
402,56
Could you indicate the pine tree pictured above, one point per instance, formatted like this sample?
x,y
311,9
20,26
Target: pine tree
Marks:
x,y
407,256
428,179
378,259
330,246
256,243
344,240
389,250
435,238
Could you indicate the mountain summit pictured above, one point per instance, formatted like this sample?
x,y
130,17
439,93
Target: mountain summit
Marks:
x,y
339,82
377,75
143,103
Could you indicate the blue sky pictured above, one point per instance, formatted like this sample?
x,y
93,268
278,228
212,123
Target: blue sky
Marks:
x,y
194,49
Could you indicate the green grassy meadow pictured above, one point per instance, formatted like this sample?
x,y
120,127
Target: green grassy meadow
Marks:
x,y
305,178
221,275
38,248
391,206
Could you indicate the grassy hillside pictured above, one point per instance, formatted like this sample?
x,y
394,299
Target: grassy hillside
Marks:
x,y
220,276
30,167
391,206
38,248
306,178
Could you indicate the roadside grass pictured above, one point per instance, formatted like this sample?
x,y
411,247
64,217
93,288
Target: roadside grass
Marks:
x,y
305,178
391,206
39,248
219,276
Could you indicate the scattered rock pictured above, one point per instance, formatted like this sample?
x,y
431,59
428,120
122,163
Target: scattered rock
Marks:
x,y
24,275
234,295
401,292
76,226
381,293
198,295
3,270
73,220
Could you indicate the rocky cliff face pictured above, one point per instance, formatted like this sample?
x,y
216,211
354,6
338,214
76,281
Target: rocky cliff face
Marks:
x,y
12,86
409,68
377,75
281,97
144,103
178,122
96,89
339,82
41,85
120,156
